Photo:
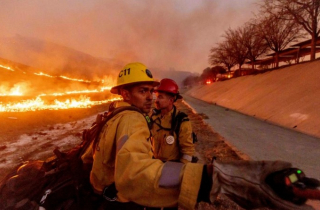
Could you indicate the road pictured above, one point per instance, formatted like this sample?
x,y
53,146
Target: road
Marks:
x,y
261,140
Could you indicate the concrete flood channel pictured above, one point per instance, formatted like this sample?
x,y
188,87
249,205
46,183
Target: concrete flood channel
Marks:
x,y
260,140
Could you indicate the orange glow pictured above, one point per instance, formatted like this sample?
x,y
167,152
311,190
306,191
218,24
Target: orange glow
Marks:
x,y
15,91
208,82
77,92
43,74
63,77
6,67
20,97
78,80
39,104
47,75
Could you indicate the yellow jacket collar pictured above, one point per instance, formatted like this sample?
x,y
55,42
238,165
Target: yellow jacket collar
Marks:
x,y
121,103
167,115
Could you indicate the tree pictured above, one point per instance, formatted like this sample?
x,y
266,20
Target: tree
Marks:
x,y
305,13
237,49
277,33
255,44
218,70
207,75
190,81
221,55
210,74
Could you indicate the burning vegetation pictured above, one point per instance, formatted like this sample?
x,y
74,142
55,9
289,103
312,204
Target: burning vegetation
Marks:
x,y
25,89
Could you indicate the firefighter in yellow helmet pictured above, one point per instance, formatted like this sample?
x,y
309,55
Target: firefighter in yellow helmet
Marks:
x,y
172,135
126,176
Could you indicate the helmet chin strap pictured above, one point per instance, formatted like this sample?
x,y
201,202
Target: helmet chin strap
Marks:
x,y
175,98
171,129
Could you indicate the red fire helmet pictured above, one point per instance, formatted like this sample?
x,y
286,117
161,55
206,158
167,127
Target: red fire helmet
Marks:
x,y
169,86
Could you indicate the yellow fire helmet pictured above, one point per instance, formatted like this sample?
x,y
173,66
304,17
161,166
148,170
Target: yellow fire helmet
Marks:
x,y
133,73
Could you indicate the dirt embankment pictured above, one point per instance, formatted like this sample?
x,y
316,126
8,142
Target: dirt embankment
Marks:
x,y
34,135
288,96
14,124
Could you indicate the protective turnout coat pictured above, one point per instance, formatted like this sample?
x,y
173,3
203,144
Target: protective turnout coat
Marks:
x,y
167,146
124,156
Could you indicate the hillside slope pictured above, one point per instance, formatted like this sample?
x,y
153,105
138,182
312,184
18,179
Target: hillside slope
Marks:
x,y
56,59
289,97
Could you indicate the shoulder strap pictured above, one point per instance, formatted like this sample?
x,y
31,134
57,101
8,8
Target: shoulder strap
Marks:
x,y
123,108
107,116
180,118
177,120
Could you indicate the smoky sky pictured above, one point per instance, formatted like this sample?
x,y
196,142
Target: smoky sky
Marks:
x,y
167,34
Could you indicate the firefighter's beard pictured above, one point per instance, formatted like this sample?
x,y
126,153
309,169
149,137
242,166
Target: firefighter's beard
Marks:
x,y
159,106
164,108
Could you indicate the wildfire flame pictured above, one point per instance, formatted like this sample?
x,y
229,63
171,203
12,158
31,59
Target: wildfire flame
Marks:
x,y
79,80
43,74
63,77
15,91
6,67
38,103
47,75
77,92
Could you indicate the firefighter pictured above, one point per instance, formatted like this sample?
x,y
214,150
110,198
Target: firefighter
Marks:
x,y
127,177
172,136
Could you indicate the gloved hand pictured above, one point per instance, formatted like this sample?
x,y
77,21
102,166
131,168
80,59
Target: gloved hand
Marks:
x,y
244,183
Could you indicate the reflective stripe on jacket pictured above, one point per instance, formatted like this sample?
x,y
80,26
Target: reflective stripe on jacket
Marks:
x,y
181,149
124,156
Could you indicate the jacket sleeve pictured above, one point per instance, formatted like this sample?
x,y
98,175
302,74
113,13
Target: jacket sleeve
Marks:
x,y
186,142
87,157
150,182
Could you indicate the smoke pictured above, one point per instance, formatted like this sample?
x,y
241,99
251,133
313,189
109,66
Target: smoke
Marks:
x,y
175,34
15,89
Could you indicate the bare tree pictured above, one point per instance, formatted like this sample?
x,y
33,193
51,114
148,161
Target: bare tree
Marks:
x,y
255,44
277,33
221,55
239,45
306,13
237,49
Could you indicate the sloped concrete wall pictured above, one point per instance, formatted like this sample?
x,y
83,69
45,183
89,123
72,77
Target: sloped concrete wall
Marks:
x,y
289,96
